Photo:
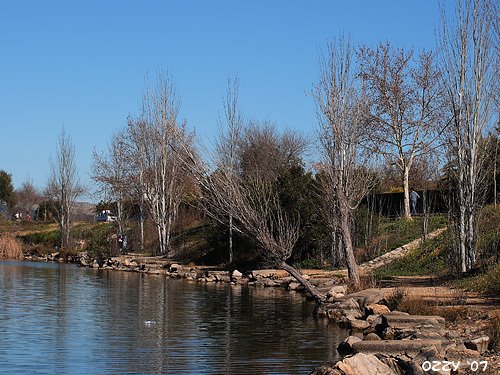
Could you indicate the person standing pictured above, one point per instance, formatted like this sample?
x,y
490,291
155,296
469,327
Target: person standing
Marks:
x,y
414,197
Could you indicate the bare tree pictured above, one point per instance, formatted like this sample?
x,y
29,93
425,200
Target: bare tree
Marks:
x,y
156,138
253,204
27,195
342,130
111,172
406,106
64,186
229,140
470,65
265,152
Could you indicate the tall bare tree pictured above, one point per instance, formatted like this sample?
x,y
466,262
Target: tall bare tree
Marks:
x,y
342,131
406,106
468,43
64,186
156,138
231,126
252,201
111,172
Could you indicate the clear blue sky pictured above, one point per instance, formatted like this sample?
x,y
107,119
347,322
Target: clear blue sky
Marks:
x,y
81,64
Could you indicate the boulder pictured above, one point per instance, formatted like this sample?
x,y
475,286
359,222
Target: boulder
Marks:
x,y
459,354
237,274
427,354
404,326
293,286
336,290
271,274
393,364
365,364
326,370
365,297
372,337
375,308
129,263
344,311
222,276
174,267
359,325
395,347
479,344
345,347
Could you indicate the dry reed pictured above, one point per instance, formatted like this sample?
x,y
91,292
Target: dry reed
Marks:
x,y
10,248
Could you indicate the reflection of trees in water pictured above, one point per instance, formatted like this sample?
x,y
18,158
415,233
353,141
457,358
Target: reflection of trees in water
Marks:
x,y
206,328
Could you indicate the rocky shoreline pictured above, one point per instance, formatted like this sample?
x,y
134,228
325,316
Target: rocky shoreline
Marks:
x,y
385,342
381,341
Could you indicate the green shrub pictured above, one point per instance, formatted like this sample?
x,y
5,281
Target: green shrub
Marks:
x,y
309,264
396,298
429,259
487,283
47,238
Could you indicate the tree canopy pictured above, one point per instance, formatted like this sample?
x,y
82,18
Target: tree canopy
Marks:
x,y
7,189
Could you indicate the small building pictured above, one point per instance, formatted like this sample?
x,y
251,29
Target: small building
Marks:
x,y
4,209
105,216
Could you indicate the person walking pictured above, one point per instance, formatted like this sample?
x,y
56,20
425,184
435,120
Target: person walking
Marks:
x,y
414,197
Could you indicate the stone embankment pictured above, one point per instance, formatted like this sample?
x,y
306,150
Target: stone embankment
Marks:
x,y
385,342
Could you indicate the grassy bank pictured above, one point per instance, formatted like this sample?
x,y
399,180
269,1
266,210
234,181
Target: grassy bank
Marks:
x,y
438,258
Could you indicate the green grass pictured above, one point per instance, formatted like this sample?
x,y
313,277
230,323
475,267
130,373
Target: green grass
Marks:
x,y
487,283
398,232
436,257
429,259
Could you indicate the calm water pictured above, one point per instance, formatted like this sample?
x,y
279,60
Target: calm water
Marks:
x,y
60,319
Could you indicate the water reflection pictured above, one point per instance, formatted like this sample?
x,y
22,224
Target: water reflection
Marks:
x,y
58,319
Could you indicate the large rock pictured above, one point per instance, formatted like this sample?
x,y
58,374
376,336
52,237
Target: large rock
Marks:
x,y
457,354
479,344
269,274
344,311
345,347
372,337
395,347
237,274
430,355
294,286
174,267
364,364
336,290
365,297
222,276
375,308
326,370
359,325
394,325
130,263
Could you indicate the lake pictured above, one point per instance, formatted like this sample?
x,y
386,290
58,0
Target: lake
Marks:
x,y
61,319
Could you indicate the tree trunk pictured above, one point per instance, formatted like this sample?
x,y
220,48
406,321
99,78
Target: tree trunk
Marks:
x,y
141,213
230,239
406,187
495,172
319,297
119,215
352,267
461,221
